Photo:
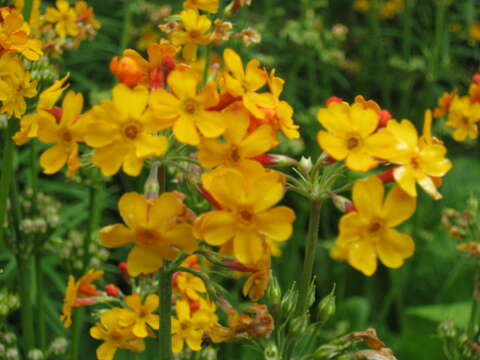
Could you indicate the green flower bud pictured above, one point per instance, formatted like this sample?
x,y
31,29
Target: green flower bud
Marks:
x,y
326,351
326,308
271,352
274,295
298,325
288,302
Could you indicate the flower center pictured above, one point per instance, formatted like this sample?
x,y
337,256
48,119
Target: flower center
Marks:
x,y
195,34
131,130
190,106
375,227
352,143
66,136
246,215
234,154
147,236
415,163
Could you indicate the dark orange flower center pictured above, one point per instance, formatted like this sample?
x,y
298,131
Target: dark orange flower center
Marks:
x,y
415,163
147,236
234,154
190,106
246,215
375,227
66,135
195,34
131,130
352,143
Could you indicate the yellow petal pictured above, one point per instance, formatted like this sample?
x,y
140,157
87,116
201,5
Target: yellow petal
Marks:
x,y
106,351
427,184
362,256
133,209
247,246
405,179
363,120
334,146
276,223
266,193
131,102
183,83
110,158
132,164
258,142
54,158
367,195
211,123
185,131
212,153
254,76
218,227
143,260
398,207
182,237
116,235
151,303
335,118
394,247
360,161
72,107
150,145
234,63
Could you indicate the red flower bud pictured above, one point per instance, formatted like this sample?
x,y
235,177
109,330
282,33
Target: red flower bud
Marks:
x,y
387,176
84,301
126,70
111,290
236,265
333,99
124,271
383,116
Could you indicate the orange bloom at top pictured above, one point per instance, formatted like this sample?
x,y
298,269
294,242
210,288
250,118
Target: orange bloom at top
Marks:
x,y
152,225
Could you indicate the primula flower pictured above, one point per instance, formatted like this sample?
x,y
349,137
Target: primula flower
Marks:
x,y
188,327
46,102
64,17
66,134
244,83
444,104
246,221
195,33
15,36
141,314
210,6
114,335
239,145
122,131
13,91
367,233
76,291
351,135
186,110
189,285
419,160
464,116
259,278
152,226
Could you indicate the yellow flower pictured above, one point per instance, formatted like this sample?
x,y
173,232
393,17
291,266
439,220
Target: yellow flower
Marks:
x,y
152,226
13,91
210,6
351,135
244,83
64,17
15,36
46,101
142,314
189,285
66,134
195,33
114,335
390,9
420,160
239,145
368,233
188,327
444,104
85,14
463,116
475,31
77,292
246,219
257,282
122,131
186,110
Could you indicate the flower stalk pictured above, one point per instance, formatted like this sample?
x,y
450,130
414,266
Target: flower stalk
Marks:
x,y
475,310
165,294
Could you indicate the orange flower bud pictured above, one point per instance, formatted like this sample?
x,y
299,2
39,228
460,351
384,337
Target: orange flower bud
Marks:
x,y
111,290
124,271
333,99
126,70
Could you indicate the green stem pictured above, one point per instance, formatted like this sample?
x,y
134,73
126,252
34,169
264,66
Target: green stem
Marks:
x,y
475,310
92,200
127,24
7,173
407,30
26,307
42,339
439,35
207,66
165,294
34,172
76,332
310,250
27,10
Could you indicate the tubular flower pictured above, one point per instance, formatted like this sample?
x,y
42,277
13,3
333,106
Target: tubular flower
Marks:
x,y
64,17
142,314
195,33
419,160
463,116
367,233
66,134
77,292
186,110
122,131
15,36
189,285
239,145
189,327
210,6
13,91
46,102
114,335
246,221
153,227
244,83
351,135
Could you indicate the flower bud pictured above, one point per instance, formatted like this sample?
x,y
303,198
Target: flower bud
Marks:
x,y
298,325
306,164
333,99
342,203
124,271
288,302
59,346
275,160
326,351
111,290
126,70
271,352
12,354
274,294
326,308
387,176
35,354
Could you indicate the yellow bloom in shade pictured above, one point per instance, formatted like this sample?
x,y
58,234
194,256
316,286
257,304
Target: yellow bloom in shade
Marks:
x,y
63,17
77,292
114,335
15,36
464,117
419,160
210,6
186,110
351,135
66,134
368,234
142,314
195,33
244,83
189,328
46,101
122,131
13,91
153,229
189,285
246,220
239,145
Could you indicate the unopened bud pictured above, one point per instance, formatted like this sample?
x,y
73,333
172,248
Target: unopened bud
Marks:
x,y
59,346
12,354
326,351
111,290
306,164
124,271
152,186
326,308
275,160
333,99
311,294
271,352
288,302
342,203
274,295
299,325
387,176
383,117
35,354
